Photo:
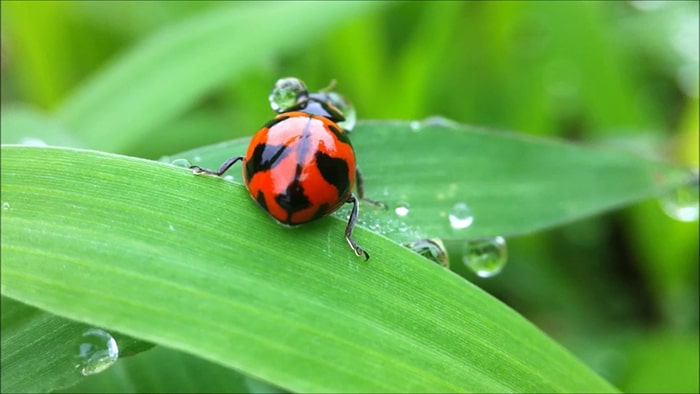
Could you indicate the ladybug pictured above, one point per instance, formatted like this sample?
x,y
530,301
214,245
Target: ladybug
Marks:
x,y
300,166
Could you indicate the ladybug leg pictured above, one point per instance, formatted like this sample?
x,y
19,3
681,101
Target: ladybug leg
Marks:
x,y
361,190
223,168
351,224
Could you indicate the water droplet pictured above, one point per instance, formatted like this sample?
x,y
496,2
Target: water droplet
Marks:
x,y
438,121
461,216
402,208
485,256
682,204
171,227
415,125
97,351
432,249
184,163
6,206
286,93
32,141
197,159
228,178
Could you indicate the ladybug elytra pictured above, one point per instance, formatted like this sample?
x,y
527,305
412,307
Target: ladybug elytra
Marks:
x,y
300,166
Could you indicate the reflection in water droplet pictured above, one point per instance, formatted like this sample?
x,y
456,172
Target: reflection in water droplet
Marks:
x,y
97,351
402,208
415,125
184,163
461,216
6,206
228,178
32,141
171,227
197,159
485,256
682,204
286,93
432,249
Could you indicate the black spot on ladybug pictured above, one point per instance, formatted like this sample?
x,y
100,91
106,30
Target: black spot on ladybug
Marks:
x,y
334,171
261,200
340,134
293,199
264,157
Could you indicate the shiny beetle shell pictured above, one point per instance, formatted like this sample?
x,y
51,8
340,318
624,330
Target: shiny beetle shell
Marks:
x,y
299,167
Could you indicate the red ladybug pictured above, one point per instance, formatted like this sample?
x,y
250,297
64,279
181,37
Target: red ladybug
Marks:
x,y
300,166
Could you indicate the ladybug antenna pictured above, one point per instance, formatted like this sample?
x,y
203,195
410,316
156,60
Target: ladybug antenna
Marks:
x,y
328,88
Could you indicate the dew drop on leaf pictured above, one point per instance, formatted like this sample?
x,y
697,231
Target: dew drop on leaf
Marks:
x,y
402,209
485,256
433,249
460,216
97,351
682,204
184,163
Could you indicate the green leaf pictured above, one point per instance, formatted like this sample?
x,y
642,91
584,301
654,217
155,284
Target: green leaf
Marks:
x,y
35,343
514,184
188,262
169,71
163,370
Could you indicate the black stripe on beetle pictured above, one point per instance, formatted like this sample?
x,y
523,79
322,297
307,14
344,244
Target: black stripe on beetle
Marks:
x,y
293,199
334,171
339,133
261,200
264,158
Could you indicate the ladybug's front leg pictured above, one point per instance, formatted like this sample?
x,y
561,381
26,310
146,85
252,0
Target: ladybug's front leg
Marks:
x,y
223,168
351,224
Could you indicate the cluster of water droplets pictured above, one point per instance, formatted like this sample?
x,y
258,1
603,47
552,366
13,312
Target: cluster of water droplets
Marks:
x,y
97,350
389,221
486,257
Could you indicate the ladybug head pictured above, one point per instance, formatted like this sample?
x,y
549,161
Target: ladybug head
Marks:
x,y
290,94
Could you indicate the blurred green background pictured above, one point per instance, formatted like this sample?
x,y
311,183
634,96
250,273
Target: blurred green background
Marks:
x,y
620,290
